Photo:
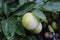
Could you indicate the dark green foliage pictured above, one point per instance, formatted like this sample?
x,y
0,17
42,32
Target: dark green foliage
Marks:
x,y
11,12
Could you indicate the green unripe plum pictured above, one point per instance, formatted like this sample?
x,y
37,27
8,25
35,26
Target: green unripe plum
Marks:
x,y
54,25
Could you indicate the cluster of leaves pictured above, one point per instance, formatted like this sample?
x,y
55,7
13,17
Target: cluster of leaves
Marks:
x,y
11,12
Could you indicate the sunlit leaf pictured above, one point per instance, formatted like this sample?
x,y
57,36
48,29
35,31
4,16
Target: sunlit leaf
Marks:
x,y
39,3
25,8
50,29
9,27
39,14
52,6
22,2
6,9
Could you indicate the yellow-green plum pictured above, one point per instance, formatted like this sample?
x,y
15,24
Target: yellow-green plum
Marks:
x,y
38,29
31,22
